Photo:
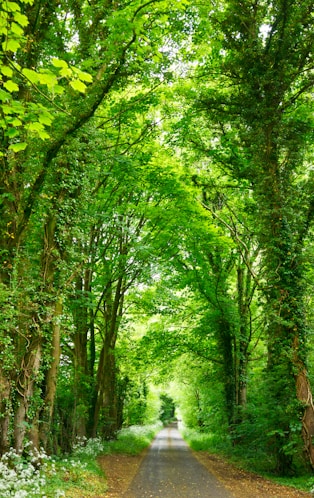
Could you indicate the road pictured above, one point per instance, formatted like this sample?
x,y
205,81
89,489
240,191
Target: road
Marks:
x,y
169,470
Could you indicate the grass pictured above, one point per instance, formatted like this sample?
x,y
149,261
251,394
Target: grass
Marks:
x,y
133,440
75,477
243,458
201,441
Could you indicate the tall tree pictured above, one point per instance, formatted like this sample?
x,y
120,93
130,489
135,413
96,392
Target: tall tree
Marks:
x,y
60,61
255,97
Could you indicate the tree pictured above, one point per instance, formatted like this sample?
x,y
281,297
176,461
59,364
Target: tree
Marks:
x,y
254,97
60,62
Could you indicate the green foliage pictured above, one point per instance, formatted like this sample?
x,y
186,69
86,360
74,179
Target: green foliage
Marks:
x,y
215,442
135,401
21,120
167,409
7,325
134,439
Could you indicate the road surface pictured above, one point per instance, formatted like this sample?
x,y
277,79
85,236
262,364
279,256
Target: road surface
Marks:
x,y
169,470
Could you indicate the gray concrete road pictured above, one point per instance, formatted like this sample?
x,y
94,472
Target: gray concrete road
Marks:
x,y
169,470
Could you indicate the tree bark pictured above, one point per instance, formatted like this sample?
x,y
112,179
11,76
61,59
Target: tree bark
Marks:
x,y
50,386
25,389
304,395
106,395
5,401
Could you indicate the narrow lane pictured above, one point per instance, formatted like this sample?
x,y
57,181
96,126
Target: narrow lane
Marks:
x,y
169,470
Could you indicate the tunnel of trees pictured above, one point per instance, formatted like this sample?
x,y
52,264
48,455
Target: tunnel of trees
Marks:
x,y
157,204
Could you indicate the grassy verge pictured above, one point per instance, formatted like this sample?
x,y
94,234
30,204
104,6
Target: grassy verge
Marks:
x,y
80,474
133,440
74,477
244,459
77,475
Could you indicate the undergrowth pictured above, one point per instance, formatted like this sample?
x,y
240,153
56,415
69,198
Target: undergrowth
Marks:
x,y
37,475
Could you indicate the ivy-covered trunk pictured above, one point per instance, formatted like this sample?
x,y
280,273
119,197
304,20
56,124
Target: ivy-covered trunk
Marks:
x,y
26,387
49,386
245,292
289,386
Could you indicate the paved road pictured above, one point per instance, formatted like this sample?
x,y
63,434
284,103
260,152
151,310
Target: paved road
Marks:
x,y
170,470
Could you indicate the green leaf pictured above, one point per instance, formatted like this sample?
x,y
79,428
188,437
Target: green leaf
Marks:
x,y
45,118
35,126
17,108
43,134
66,72
11,86
58,90
31,75
157,58
59,63
16,29
4,96
11,45
7,109
47,78
11,6
82,75
6,71
21,19
39,129
18,146
16,122
11,132
78,85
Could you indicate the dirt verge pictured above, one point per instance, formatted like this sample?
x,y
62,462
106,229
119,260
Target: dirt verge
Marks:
x,y
246,484
119,471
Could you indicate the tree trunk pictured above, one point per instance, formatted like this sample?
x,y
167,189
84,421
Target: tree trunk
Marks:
x,y
287,328
51,376
82,379
226,346
245,291
98,395
106,386
106,411
110,408
25,389
243,342
304,395
5,401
